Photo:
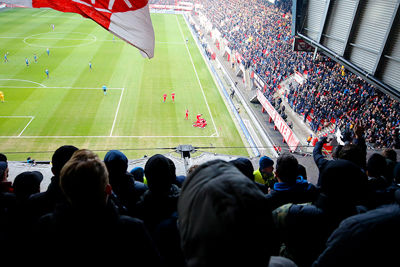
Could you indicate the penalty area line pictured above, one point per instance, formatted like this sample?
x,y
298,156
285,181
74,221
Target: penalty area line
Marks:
x,y
26,126
19,117
116,113
70,88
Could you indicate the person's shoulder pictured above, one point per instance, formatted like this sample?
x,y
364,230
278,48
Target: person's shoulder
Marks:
x,y
125,219
372,217
300,209
131,224
141,187
37,197
278,261
7,197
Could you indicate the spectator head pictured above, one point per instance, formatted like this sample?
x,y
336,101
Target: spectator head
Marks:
x,y
352,153
220,214
301,171
266,165
84,180
116,162
60,157
3,171
376,165
3,157
342,180
158,174
27,183
287,168
245,166
138,174
389,153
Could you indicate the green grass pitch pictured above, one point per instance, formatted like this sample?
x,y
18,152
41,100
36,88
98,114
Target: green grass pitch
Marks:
x,y
40,114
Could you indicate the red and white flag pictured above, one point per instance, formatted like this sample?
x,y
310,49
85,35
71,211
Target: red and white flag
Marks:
x,y
127,19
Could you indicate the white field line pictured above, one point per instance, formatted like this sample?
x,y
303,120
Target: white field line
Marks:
x,y
116,113
171,43
94,136
28,81
107,136
49,16
91,41
78,39
70,88
55,38
16,116
197,76
32,117
39,13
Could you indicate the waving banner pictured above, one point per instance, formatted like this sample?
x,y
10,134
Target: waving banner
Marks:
x,y
127,19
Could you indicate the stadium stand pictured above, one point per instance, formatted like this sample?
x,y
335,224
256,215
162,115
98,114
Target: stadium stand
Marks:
x,y
260,32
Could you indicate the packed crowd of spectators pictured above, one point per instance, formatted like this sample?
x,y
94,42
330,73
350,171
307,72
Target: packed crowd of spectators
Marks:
x,y
261,33
222,213
331,96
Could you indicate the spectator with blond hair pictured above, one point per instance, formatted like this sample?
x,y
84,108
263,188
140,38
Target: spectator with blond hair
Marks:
x,y
89,225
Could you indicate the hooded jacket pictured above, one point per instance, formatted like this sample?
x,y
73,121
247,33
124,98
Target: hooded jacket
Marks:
x,y
160,201
220,215
304,229
368,239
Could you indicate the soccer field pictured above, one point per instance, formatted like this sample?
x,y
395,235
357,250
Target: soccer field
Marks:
x,y
41,113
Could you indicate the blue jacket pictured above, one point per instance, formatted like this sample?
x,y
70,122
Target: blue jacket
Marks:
x,y
283,193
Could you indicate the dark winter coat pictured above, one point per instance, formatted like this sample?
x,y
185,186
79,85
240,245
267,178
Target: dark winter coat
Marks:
x,y
369,239
99,235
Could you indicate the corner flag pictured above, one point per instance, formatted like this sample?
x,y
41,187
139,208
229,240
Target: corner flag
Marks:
x,y
127,19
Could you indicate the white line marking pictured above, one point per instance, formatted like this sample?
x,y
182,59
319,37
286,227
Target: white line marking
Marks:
x,y
107,136
16,116
71,88
42,85
177,43
95,136
116,113
38,13
54,38
197,76
52,16
74,39
32,117
94,39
